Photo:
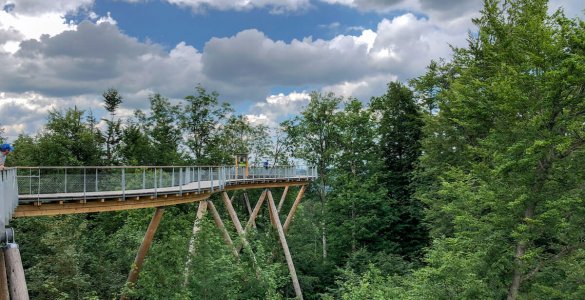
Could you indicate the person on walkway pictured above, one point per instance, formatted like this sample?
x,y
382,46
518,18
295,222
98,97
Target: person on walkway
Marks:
x,y
266,164
4,150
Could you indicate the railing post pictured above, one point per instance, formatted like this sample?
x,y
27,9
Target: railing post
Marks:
x,y
199,179
160,183
39,187
181,181
65,180
155,178
124,183
211,176
96,179
173,177
84,185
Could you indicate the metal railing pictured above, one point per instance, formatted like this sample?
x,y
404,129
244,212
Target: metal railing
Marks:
x,y
8,196
40,183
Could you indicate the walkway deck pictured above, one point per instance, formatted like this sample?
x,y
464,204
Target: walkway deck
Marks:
x,y
44,204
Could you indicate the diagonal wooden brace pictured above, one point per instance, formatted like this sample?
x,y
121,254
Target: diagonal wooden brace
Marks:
x,y
293,209
289,261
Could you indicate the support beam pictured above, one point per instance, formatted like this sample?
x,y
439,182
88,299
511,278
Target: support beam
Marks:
x,y
282,198
201,210
232,212
239,229
251,222
289,262
146,242
15,273
293,209
247,200
219,224
4,295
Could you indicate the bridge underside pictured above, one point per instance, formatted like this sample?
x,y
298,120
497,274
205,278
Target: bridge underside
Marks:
x,y
59,206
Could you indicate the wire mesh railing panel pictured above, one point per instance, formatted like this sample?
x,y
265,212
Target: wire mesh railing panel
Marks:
x,y
92,181
8,195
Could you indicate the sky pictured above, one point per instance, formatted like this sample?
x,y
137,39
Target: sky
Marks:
x,y
262,56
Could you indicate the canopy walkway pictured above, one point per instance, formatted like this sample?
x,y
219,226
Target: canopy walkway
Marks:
x,y
46,191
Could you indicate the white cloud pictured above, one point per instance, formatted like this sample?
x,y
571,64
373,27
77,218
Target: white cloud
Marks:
x,y
39,8
276,6
277,108
48,62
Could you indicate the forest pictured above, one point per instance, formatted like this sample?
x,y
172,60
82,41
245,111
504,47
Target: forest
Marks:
x,y
467,182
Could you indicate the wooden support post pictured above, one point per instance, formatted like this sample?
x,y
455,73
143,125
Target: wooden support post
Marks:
x,y
232,213
201,210
239,229
146,242
15,273
289,262
247,200
4,295
221,227
282,198
293,209
251,221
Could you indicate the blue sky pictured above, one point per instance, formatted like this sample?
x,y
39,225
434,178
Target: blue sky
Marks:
x,y
262,56
151,21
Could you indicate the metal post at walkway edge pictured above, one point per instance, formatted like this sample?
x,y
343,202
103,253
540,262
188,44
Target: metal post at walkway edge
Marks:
x,y
15,273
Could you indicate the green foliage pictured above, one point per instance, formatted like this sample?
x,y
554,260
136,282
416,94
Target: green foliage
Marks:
x,y
69,141
112,136
202,119
400,132
499,154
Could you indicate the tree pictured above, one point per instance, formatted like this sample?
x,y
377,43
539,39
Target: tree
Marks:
x,y
202,119
162,128
69,140
312,137
358,212
400,131
504,149
112,100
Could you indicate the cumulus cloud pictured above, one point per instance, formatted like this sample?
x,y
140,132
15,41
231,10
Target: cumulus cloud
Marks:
x,y
245,67
276,6
48,62
94,57
251,58
38,8
276,108
402,46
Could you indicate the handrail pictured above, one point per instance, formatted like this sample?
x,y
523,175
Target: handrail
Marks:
x,y
8,196
143,167
93,182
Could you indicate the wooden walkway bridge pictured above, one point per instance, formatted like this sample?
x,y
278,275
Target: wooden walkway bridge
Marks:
x,y
46,191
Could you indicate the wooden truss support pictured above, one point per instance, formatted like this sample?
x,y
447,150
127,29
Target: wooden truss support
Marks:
x,y
4,295
282,198
247,200
289,261
239,229
219,224
15,272
252,221
201,210
293,209
146,242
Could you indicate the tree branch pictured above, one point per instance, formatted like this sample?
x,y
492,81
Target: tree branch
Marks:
x,y
566,251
